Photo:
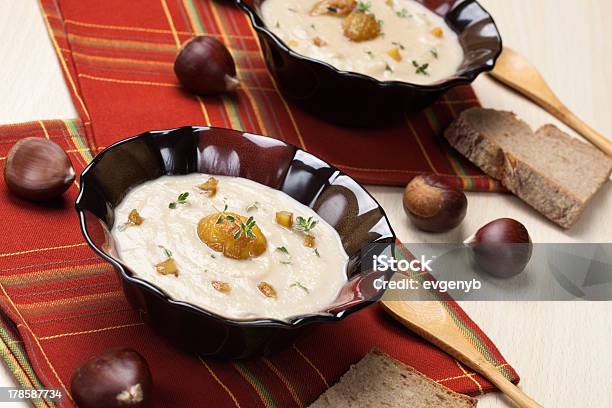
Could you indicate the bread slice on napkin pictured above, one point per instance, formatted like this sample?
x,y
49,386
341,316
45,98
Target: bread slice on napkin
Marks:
x,y
381,381
549,170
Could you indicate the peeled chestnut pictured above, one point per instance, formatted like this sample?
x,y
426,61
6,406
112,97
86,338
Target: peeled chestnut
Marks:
x,y
433,205
204,66
502,247
38,169
117,378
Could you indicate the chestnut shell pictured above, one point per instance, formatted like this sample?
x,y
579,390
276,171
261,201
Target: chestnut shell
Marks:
x,y
38,169
117,378
433,205
502,247
204,66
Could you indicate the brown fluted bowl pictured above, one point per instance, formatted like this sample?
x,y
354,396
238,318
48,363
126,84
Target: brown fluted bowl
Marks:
x,y
352,99
338,199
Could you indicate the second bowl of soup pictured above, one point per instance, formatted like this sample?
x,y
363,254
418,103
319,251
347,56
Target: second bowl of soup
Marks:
x,y
368,63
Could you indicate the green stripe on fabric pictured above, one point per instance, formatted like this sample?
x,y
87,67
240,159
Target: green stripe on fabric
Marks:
x,y
13,346
23,371
477,341
192,10
232,109
468,183
79,139
263,391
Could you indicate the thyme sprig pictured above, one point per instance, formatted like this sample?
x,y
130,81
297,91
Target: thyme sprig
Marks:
x,y
305,225
299,285
253,206
421,69
166,251
246,228
363,6
285,251
403,13
181,199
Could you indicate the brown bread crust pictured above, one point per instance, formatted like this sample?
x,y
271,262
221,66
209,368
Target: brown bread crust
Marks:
x,y
534,187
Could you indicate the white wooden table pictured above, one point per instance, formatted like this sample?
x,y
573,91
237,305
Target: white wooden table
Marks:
x,y
563,351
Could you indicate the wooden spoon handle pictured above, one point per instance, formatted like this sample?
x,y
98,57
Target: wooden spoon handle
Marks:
x,y
430,320
512,391
518,74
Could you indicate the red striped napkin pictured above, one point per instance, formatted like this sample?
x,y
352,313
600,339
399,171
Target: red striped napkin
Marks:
x,y
61,304
118,57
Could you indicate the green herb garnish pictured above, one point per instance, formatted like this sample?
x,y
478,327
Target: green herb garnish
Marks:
x,y
299,285
166,251
403,13
182,199
420,69
401,47
222,216
283,249
363,6
316,251
388,68
305,225
434,52
246,228
253,206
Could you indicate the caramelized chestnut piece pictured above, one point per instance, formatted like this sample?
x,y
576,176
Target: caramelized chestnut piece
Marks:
x,y
333,7
284,218
361,26
267,290
118,378
433,205
234,235
38,169
502,247
205,66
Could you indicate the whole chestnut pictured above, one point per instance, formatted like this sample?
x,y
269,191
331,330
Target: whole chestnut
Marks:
x,y
38,169
433,205
117,378
204,66
502,247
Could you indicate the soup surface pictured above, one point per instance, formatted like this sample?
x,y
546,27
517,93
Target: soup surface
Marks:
x,y
390,40
205,249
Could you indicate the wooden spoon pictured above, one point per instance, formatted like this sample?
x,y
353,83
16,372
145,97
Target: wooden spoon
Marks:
x,y
430,320
515,71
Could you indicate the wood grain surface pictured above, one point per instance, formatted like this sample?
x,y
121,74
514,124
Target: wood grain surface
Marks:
x,y
561,349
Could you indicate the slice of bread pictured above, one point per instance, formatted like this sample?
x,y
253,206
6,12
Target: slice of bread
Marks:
x,y
549,170
378,380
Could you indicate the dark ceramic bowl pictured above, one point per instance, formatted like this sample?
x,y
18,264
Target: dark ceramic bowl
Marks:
x,y
337,199
352,99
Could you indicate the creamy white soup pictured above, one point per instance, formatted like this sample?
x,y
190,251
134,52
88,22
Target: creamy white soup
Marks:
x,y
230,245
390,40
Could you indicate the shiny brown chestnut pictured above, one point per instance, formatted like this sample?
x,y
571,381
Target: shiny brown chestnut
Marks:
x,y
117,378
204,66
38,169
433,205
502,247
